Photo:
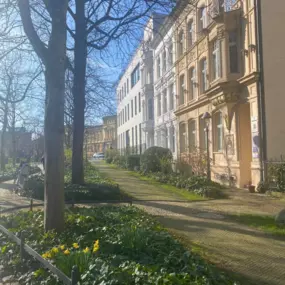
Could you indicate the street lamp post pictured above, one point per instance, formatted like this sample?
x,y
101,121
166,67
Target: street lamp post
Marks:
x,y
206,116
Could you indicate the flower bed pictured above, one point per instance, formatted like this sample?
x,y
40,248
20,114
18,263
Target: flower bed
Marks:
x,y
95,188
110,245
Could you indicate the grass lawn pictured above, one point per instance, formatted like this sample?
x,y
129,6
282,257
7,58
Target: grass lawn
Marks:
x,y
184,193
264,223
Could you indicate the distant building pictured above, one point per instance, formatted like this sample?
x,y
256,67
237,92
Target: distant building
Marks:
x,y
101,137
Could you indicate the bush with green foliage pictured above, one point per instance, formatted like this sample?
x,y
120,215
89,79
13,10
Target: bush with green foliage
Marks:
x,y
152,158
96,187
110,245
110,155
276,176
197,184
132,161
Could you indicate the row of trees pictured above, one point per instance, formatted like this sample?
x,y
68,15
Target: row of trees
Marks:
x,y
65,37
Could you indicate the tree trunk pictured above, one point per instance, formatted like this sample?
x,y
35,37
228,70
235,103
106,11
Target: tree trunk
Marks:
x,y
54,121
3,136
80,58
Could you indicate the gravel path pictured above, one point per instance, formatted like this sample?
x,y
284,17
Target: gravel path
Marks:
x,y
255,256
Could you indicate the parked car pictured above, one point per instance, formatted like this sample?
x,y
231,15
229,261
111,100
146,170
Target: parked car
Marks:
x,y
99,155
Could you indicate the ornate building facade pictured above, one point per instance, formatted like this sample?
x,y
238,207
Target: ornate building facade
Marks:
x,y
218,71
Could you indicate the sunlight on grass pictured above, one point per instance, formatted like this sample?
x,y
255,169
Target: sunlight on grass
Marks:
x,y
265,223
184,193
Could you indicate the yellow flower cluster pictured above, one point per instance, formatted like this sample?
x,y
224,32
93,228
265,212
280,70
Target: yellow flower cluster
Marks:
x,y
55,250
96,246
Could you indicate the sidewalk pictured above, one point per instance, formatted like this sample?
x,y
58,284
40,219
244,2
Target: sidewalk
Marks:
x,y
8,199
255,256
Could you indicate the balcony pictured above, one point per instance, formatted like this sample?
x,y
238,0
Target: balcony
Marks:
x,y
225,11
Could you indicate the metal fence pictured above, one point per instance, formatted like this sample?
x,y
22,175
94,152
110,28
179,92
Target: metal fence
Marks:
x,y
137,149
25,249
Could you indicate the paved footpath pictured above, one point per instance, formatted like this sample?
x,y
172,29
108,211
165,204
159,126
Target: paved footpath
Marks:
x,y
255,256
8,199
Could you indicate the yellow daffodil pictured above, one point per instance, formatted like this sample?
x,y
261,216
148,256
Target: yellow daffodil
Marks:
x,y
96,246
46,255
54,250
86,250
62,247
66,252
75,245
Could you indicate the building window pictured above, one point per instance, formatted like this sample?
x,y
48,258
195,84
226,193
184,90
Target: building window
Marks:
x,y
139,102
233,52
125,89
132,107
192,135
135,76
182,137
128,112
150,109
159,105
136,105
192,77
158,67
219,134
170,54
128,85
191,35
123,115
216,59
136,133
140,134
204,80
172,139
164,101
133,138
126,115
166,138
171,97
202,133
181,90
164,61
203,18
181,43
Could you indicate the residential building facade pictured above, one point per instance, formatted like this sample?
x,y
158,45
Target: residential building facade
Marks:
x,y
218,71
135,95
165,88
222,58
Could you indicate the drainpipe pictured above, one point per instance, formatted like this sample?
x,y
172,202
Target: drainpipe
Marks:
x,y
260,91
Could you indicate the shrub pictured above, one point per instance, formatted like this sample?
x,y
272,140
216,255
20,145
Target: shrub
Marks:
x,y
110,155
152,157
276,173
132,161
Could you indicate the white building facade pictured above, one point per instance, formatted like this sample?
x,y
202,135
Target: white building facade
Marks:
x,y
164,89
135,103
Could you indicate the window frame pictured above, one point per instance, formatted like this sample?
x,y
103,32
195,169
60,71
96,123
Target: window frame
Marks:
x,y
192,82
203,75
216,59
182,89
192,134
219,132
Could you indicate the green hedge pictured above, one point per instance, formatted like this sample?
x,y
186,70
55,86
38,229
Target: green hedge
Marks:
x,y
132,161
151,159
